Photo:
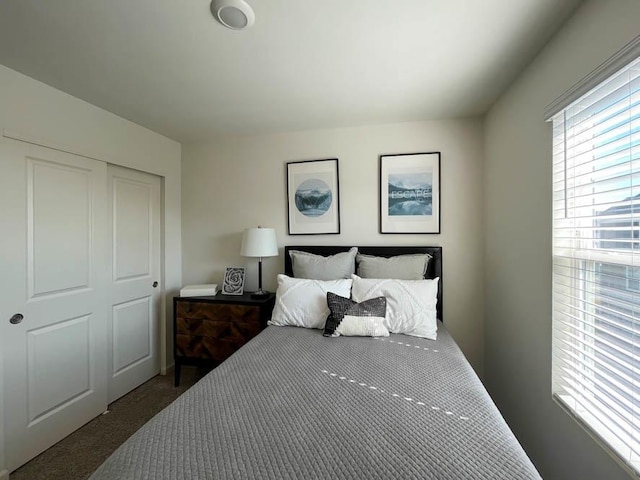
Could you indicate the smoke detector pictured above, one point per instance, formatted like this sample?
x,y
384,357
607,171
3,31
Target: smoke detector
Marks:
x,y
234,14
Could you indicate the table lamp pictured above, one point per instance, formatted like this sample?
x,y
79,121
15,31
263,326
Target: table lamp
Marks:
x,y
259,242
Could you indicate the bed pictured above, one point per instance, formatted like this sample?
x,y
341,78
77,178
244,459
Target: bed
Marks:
x,y
294,404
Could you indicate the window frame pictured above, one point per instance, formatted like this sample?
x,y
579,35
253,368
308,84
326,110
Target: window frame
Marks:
x,y
590,260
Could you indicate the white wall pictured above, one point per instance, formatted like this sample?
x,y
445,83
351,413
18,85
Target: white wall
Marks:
x,y
42,114
518,242
232,183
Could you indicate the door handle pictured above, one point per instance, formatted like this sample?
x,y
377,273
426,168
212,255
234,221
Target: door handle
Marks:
x,y
154,284
16,319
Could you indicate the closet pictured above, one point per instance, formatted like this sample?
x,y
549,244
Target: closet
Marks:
x,y
80,290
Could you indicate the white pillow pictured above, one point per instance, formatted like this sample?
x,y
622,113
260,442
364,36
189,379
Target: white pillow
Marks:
x,y
302,302
318,267
411,304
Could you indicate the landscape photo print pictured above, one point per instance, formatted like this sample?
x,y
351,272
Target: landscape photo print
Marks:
x,y
313,197
410,193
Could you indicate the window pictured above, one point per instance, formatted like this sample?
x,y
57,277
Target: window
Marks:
x,y
596,262
633,279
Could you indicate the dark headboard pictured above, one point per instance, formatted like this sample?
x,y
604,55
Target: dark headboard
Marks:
x,y
434,270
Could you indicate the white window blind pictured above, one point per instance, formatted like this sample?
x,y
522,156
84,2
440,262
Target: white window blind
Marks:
x,y
596,262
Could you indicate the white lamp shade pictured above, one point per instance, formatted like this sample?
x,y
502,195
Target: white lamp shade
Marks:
x,y
259,242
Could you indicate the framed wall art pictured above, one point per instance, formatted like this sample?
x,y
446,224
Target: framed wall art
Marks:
x,y
313,197
233,283
410,193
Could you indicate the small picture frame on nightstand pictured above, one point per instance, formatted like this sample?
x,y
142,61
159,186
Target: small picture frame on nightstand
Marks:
x,y
233,283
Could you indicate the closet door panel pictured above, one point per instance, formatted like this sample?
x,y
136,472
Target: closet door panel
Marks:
x,y
53,294
135,287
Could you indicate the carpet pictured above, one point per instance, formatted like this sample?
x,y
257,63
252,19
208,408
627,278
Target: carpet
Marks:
x,y
77,456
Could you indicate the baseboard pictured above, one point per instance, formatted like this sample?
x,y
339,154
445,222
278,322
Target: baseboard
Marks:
x,y
168,370
4,475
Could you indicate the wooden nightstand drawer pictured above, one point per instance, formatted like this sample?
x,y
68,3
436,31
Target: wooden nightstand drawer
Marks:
x,y
210,329
219,329
218,312
207,348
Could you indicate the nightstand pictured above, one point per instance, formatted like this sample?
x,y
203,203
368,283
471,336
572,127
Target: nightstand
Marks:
x,y
207,330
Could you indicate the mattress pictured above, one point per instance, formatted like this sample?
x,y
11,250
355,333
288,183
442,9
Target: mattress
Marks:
x,y
292,404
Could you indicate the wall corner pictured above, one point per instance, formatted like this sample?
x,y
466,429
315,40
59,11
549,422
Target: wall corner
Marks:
x,y
4,473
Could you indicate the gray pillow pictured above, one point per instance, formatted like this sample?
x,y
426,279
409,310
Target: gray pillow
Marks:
x,y
401,267
317,267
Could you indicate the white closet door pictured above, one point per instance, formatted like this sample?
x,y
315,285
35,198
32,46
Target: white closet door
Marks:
x,y
135,284
53,280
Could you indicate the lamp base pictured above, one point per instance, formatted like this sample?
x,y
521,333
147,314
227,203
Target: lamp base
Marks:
x,y
260,294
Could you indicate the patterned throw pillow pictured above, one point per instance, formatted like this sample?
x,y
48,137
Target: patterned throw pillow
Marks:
x,y
351,318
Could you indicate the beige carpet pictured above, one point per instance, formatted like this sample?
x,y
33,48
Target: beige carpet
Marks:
x,y
77,456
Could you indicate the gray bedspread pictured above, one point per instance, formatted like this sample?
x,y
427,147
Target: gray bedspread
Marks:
x,y
292,404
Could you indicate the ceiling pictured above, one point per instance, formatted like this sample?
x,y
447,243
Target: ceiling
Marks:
x,y
169,66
